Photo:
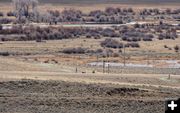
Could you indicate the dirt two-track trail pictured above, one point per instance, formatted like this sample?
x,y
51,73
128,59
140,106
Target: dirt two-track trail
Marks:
x,y
122,79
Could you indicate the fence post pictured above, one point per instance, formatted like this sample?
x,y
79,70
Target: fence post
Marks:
x,y
103,66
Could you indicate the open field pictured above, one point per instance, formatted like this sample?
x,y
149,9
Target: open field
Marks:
x,y
38,87
151,53
28,85
104,1
52,88
55,46
5,7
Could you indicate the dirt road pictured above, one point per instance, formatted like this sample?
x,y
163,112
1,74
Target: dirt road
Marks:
x,y
118,79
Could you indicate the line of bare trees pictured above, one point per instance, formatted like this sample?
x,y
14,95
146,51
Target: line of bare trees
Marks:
x,y
25,8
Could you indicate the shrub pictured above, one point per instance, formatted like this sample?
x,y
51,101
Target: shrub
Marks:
x,y
132,39
4,54
176,48
72,15
97,37
54,13
133,35
109,33
135,39
130,10
133,45
173,35
3,39
111,11
93,71
115,55
165,46
88,36
90,51
1,14
96,52
124,38
78,50
147,39
161,36
99,51
5,21
1,27
96,13
167,36
136,25
110,43
10,13
39,40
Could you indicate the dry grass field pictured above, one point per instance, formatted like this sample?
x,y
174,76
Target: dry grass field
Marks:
x,y
55,46
28,84
5,7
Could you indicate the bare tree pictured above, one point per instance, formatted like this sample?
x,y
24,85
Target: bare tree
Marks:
x,y
25,7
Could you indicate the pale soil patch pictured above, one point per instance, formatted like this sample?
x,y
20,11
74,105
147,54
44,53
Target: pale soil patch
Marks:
x,y
11,64
125,79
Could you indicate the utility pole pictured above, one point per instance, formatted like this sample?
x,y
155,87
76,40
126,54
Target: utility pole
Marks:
x,y
103,66
124,55
107,60
154,62
76,64
108,67
76,70
147,58
97,61
109,63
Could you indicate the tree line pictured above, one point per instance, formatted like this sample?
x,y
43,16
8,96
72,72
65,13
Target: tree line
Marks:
x,y
27,11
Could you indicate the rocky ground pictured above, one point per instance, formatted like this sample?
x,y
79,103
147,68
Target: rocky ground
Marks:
x,y
28,96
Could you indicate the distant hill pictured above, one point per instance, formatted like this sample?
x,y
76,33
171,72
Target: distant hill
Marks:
x,y
105,1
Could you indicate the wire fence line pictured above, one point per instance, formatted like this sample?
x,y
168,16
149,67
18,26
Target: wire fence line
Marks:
x,y
136,70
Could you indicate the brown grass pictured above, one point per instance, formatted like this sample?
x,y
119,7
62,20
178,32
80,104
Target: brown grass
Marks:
x,y
5,7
